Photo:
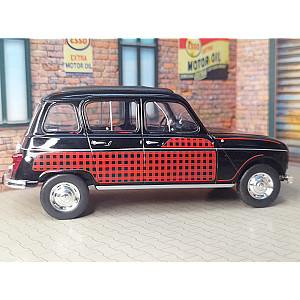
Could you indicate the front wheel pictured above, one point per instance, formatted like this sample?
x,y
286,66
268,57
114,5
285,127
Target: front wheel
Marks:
x,y
64,196
259,186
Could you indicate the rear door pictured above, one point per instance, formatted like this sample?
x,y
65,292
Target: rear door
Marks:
x,y
176,149
115,139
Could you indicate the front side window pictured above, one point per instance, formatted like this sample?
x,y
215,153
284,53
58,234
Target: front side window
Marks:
x,y
61,118
15,100
163,116
112,116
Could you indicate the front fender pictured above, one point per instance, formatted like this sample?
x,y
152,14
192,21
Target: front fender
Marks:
x,y
243,162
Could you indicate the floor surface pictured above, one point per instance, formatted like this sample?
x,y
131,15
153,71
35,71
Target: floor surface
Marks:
x,y
154,225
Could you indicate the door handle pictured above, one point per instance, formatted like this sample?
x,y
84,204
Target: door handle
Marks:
x,y
151,142
94,143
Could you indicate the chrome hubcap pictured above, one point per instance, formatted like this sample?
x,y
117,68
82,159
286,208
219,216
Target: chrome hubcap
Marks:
x,y
260,186
64,196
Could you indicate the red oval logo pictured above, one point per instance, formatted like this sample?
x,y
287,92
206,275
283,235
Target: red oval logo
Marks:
x,y
78,44
193,47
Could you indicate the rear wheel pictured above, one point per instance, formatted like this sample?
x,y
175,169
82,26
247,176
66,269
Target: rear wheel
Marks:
x,y
64,196
259,186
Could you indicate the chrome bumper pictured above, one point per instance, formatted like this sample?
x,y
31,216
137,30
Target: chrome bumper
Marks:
x,y
13,183
288,178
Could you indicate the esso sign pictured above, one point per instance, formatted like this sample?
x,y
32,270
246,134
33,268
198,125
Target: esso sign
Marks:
x,y
78,44
193,47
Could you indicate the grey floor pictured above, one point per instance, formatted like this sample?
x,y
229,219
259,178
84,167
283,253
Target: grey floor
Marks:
x,y
154,225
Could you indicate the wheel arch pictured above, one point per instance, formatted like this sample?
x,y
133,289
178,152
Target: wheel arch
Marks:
x,y
85,176
259,160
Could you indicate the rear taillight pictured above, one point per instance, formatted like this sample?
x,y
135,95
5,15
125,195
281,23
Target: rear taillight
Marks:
x,y
17,157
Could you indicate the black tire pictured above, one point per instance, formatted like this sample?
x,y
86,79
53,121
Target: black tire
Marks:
x,y
262,198
73,189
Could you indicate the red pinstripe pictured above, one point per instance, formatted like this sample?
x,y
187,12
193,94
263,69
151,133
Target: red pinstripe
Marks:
x,y
240,168
248,139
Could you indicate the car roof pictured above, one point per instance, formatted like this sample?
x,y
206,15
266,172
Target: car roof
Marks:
x,y
72,92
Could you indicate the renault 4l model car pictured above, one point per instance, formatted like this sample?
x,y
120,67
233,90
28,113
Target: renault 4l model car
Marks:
x,y
137,138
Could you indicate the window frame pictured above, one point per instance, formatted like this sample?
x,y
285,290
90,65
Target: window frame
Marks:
x,y
5,122
198,130
138,45
79,125
105,132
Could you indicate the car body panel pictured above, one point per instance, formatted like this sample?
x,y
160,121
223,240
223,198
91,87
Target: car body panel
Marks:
x,y
203,156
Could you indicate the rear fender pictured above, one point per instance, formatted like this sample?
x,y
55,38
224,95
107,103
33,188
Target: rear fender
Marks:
x,y
85,176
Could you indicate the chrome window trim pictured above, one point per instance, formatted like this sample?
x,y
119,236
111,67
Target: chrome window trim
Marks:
x,y
146,100
95,99
79,125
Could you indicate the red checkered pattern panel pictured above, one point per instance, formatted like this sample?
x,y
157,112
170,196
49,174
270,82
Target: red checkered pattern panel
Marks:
x,y
119,166
63,161
161,166
134,166
188,143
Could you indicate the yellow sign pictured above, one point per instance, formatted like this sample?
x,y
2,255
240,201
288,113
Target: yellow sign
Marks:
x,y
201,59
78,54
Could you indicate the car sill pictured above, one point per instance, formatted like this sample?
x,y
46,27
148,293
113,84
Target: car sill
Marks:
x,y
167,186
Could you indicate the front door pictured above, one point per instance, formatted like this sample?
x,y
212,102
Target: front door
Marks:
x,y
176,150
115,139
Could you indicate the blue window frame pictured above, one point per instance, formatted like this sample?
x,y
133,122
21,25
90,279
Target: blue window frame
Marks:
x,y
15,82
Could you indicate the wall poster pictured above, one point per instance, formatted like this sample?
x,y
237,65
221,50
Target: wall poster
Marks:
x,y
78,56
203,59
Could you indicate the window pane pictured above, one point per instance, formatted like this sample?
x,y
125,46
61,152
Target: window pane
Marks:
x,y
61,117
156,117
118,115
147,41
132,41
111,116
182,121
98,115
15,78
147,67
129,60
168,117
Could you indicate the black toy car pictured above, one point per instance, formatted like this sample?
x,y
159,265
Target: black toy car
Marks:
x,y
137,138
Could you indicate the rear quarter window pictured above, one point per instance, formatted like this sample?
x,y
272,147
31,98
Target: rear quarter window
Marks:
x,y
61,118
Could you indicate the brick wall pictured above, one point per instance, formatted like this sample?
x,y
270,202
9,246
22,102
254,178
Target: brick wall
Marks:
x,y
47,66
252,86
48,75
213,100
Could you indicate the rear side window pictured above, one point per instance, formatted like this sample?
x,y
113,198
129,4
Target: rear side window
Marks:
x,y
112,116
61,118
